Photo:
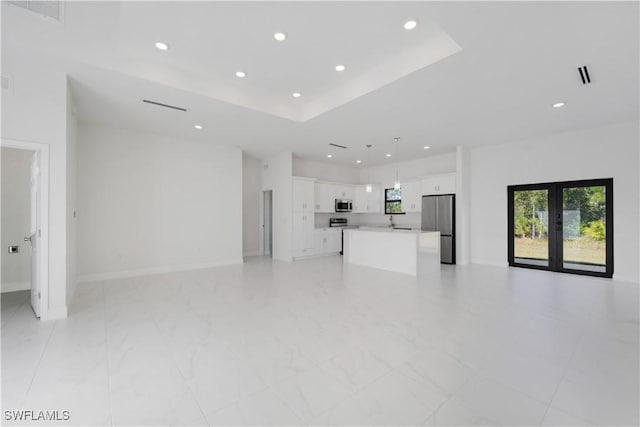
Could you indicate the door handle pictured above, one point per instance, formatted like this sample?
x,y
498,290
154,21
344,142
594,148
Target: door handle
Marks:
x,y
27,239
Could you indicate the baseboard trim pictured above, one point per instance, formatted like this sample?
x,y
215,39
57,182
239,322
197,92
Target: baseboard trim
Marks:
x,y
628,279
55,313
303,257
252,253
156,270
15,286
490,263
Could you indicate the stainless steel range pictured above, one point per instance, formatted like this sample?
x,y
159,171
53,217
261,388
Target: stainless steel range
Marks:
x,y
338,222
342,223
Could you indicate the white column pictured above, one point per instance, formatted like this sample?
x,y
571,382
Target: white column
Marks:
x,y
463,205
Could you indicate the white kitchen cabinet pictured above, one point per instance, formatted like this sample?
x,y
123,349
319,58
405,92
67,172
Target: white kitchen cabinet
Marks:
x,y
303,233
374,199
325,202
411,196
441,184
342,191
367,202
361,200
327,193
327,241
303,195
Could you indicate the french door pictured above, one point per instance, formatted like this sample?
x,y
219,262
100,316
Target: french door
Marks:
x,y
562,226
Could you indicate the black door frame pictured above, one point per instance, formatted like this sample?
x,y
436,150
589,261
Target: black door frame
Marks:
x,y
555,203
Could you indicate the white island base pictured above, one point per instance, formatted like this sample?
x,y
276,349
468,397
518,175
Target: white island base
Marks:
x,y
411,252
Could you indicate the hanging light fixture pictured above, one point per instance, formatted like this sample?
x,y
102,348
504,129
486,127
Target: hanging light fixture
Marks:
x,y
369,187
396,183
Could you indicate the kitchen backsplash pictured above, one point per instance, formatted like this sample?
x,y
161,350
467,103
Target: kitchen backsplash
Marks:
x,y
410,219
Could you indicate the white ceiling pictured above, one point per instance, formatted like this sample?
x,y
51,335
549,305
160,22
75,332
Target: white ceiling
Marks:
x,y
470,74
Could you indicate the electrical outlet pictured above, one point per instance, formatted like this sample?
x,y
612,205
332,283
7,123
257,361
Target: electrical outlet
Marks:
x,y
14,249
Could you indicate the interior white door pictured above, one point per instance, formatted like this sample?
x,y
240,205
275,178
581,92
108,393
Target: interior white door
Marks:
x,y
34,234
267,223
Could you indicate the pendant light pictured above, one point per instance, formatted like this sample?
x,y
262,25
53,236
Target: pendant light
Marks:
x,y
369,187
396,183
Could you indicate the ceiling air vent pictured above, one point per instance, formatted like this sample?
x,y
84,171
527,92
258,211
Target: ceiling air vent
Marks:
x,y
50,9
160,104
584,75
336,145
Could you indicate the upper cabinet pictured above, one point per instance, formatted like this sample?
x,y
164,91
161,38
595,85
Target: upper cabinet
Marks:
x,y
303,195
324,198
441,184
360,201
411,196
341,191
367,202
374,199
327,193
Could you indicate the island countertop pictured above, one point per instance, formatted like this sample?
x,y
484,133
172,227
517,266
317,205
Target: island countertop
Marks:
x,y
391,230
402,251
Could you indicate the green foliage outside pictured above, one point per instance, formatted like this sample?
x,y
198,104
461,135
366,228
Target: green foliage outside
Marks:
x,y
392,201
595,230
393,207
529,207
591,203
584,227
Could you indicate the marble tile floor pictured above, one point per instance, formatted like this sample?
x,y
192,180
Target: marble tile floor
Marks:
x,y
318,343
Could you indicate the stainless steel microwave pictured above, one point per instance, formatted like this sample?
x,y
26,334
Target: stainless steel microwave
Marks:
x,y
344,205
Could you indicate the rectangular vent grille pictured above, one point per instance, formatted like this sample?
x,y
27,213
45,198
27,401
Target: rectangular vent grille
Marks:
x,y
160,104
50,8
336,145
584,75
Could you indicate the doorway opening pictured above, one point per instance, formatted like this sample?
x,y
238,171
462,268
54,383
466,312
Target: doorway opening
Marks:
x,y
562,226
267,223
25,223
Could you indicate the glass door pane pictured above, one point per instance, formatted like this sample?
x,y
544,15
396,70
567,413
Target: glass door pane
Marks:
x,y
530,227
584,238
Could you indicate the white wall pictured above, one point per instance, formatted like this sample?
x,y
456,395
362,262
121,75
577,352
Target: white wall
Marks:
x,y
15,203
251,189
325,171
463,205
149,203
72,165
33,109
277,173
604,152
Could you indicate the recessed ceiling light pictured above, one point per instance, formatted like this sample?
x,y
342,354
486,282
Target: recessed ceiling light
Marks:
x,y
297,94
240,74
197,126
340,67
558,104
280,36
388,155
329,156
410,25
358,161
162,46
426,147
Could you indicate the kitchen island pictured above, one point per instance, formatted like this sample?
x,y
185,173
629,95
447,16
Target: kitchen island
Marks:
x,y
413,252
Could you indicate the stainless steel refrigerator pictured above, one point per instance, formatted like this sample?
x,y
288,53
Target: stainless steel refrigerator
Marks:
x,y
438,214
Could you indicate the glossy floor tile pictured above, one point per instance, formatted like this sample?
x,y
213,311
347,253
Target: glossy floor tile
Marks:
x,y
318,343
